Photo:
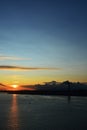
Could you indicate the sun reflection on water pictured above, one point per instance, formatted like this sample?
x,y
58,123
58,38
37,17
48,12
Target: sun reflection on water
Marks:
x,y
13,121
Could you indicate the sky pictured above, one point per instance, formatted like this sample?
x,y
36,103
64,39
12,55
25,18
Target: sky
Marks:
x,y
43,40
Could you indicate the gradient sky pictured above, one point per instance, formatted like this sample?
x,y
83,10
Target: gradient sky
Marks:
x,y
43,40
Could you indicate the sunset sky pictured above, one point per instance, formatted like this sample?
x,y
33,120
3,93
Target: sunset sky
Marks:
x,y
43,40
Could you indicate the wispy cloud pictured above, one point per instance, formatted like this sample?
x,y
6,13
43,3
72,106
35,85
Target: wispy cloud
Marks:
x,y
8,67
12,58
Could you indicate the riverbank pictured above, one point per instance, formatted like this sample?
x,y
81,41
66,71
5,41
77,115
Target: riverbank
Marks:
x,y
38,92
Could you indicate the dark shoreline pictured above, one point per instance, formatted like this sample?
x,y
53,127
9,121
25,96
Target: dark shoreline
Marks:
x,y
54,93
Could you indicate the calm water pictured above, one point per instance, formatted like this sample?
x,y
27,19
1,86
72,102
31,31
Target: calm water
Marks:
x,y
27,112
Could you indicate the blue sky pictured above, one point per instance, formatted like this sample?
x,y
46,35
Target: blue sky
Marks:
x,y
44,34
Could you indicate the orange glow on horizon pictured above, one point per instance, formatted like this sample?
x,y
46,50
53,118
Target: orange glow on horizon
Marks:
x,y
14,86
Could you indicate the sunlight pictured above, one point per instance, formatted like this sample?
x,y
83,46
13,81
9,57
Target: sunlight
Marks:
x,y
14,86
13,120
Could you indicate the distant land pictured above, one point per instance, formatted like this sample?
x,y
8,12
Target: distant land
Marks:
x,y
66,88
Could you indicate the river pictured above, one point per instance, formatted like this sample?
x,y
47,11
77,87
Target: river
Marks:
x,y
35,112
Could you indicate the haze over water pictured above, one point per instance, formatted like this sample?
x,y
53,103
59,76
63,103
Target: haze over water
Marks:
x,y
24,112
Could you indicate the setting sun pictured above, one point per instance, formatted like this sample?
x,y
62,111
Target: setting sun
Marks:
x,y
14,85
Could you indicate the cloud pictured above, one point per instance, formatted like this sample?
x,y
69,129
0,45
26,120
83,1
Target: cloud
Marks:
x,y
8,67
13,58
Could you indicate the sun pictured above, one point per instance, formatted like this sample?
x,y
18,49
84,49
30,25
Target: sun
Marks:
x,y
14,86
